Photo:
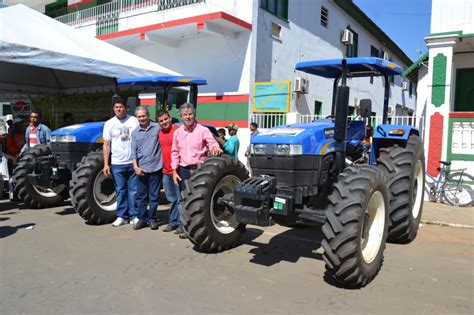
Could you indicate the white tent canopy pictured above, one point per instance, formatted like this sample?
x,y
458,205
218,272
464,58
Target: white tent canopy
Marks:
x,y
39,55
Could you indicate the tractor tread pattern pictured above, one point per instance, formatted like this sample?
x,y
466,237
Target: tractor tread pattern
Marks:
x,y
24,190
399,165
195,214
342,229
79,183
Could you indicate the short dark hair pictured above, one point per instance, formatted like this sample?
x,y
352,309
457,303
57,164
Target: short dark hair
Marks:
x,y
162,112
36,111
118,99
67,115
254,124
221,130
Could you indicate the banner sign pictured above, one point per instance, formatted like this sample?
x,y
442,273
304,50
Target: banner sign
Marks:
x,y
271,97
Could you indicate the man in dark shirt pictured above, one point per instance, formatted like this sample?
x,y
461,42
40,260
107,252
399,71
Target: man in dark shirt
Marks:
x,y
148,164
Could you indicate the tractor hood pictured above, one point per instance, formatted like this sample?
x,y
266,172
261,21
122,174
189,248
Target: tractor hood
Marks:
x,y
85,132
316,138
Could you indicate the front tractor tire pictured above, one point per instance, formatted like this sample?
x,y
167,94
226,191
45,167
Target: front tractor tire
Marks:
x,y
34,196
208,223
356,226
405,170
92,193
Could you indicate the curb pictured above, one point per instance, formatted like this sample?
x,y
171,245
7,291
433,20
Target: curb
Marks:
x,y
441,223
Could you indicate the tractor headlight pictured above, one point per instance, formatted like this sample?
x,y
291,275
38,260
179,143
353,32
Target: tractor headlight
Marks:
x,y
288,149
258,149
65,138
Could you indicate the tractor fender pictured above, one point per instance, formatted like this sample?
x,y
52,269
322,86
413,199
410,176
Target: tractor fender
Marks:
x,y
389,135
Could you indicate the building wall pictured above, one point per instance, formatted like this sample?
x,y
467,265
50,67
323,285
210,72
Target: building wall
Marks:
x,y
304,38
451,16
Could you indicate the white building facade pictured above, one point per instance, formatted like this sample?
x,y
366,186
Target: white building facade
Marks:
x,y
446,85
235,44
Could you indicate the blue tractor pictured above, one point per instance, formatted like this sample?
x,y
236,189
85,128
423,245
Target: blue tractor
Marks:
x,y
71,166
319,173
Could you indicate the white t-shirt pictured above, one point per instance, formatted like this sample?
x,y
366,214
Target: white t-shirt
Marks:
x,y
119,132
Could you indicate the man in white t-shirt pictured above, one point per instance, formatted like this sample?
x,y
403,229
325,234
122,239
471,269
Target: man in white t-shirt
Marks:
x,y
117,131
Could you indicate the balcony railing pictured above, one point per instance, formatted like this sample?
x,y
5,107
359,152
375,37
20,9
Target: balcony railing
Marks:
x,y
269,120
106,16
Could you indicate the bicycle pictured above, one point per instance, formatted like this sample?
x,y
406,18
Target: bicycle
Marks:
x,y
455,186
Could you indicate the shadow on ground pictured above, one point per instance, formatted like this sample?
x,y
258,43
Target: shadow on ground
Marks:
x,y
288,246
6,231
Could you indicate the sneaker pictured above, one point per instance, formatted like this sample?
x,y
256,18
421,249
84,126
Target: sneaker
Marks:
x,y
179,231
119,221
139,225
168,228
134,221
153,224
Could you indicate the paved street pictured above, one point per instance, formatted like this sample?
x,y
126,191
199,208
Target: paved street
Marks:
x,y
62,265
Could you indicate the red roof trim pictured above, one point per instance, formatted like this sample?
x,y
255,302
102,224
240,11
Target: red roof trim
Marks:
x,y
168,24
461,115
79,4
223,99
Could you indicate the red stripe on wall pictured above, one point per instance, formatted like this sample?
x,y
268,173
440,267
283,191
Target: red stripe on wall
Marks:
x,y
461,115
195,19
147,101
435,146
224,99
223,123
79,4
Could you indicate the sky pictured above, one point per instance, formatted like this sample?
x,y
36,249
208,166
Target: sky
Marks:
x,y
406,22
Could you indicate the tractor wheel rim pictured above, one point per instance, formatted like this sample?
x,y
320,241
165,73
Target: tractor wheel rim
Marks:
x,y
417,189
223,218
373,227
106,202
49,192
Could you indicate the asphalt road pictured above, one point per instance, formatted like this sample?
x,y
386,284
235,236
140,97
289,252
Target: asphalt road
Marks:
x,y
51,262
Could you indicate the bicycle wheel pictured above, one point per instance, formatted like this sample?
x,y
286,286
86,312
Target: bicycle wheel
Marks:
x,y
459,189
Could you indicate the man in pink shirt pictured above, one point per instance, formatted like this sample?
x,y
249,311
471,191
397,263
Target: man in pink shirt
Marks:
x,y
192,143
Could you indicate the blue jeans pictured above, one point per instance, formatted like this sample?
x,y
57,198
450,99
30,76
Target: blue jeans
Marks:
x,y
125,182
173,195
148,193
185,174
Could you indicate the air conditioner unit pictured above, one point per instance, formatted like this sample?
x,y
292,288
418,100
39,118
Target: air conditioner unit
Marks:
x,y
386,55
347,37
404,85
301,85
390,111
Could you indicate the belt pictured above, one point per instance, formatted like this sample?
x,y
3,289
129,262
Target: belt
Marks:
x,y
190,167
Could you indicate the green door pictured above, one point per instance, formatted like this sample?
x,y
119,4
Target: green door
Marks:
x,y
464,98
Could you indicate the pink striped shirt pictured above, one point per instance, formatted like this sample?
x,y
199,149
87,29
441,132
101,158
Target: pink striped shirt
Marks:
x,y
190,147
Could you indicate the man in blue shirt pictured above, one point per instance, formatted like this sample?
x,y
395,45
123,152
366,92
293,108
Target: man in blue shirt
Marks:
x,y
148,165
232,145
36,133
253,132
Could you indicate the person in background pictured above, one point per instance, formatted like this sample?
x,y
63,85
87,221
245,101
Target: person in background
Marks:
x,y
68,120
36,133
148,165
172,192
231,146
253,132
16,138
192,143
221,133
117,140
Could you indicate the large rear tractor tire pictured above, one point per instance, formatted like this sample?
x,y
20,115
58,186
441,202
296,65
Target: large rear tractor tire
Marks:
x,y
405,170
208,223
356,226
33,196
92,193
